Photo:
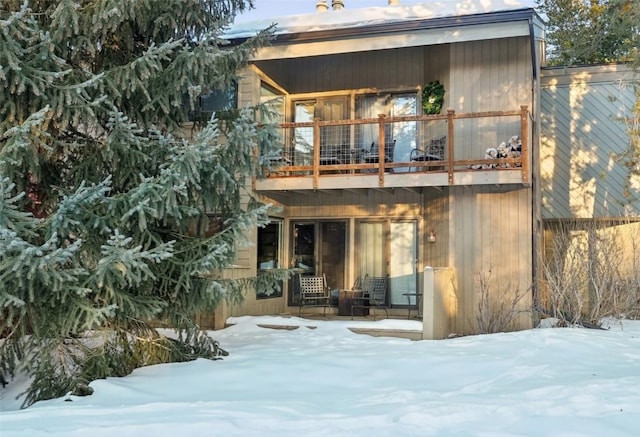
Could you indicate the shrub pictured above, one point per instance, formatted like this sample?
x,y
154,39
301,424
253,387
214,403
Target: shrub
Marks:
x,y
497,311
591,271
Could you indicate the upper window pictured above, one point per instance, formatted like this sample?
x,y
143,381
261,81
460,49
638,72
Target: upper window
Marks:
x,y
220,100
276,102
223,102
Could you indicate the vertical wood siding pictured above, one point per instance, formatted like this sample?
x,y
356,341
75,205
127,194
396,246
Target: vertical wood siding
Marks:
x,y
246,262
492,75
582,138
394,68
490,232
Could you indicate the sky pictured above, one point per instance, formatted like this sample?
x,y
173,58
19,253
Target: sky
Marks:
x,y
278,8
301,15
318,378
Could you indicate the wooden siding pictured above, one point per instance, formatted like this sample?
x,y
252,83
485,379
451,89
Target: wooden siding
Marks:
x,y
490,232
581,134
436,218
394,68
362,203
494,75
246,261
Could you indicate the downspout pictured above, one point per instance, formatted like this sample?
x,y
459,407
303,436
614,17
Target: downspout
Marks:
x,y
536,243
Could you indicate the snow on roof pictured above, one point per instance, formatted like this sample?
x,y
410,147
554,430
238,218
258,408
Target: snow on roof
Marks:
x,y
350,18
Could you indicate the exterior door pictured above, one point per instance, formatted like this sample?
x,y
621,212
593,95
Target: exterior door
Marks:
x,y
326,109
403,277
403,133
372,249
304,111
333,109
319,247
389,248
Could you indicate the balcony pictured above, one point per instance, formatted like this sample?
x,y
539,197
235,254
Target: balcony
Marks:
x,y
409,152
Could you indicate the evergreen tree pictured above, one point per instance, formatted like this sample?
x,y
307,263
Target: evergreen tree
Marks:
x,y
105,198
591,31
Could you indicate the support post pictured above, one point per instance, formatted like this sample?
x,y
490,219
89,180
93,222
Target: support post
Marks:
x,y
381,155
450,144
316,152
438,305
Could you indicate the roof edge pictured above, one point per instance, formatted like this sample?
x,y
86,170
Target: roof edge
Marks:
x,y
522,14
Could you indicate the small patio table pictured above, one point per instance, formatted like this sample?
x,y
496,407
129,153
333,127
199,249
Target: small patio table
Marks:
x,y
418,297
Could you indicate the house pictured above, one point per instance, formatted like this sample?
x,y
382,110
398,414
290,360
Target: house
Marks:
x,y
370,185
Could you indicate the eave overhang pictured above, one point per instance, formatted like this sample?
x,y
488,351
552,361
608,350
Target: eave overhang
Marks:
x,y
395,34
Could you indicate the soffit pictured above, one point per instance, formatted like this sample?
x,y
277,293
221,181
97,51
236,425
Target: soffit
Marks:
x,y
328,45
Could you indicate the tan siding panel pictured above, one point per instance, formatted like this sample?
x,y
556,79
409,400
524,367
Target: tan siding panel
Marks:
x,y
482,77
491,232
580,137
376,69
248,88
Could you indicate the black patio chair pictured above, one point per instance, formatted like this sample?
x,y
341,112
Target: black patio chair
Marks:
x,y
372,155
374,294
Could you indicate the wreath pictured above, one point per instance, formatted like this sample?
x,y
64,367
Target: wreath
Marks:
x,y
432,97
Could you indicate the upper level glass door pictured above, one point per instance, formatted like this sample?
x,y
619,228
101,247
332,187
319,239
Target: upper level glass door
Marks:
x,y
402,133
304,111
333,139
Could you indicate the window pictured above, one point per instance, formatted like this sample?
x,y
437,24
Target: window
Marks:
x,y
223,102
220,100
275,101
269,252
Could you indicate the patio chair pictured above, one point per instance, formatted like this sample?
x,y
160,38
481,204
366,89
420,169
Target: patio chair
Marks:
x,y
434,151
314,292
374,294
330,155
373,154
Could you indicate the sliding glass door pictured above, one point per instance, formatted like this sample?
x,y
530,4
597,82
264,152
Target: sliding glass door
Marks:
x,y
318,247
326,109
389,248
372,249
403,263
402,133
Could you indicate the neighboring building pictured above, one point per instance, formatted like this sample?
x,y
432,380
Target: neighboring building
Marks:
x,y
369,185
590,203
583,139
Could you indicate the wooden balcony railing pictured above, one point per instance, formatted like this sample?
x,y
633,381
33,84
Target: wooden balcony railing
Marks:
x,y
447,143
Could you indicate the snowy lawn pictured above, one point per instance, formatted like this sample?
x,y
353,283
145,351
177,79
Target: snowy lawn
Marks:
x,y
328,381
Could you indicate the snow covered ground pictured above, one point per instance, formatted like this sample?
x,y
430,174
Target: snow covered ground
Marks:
x,y
321,379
